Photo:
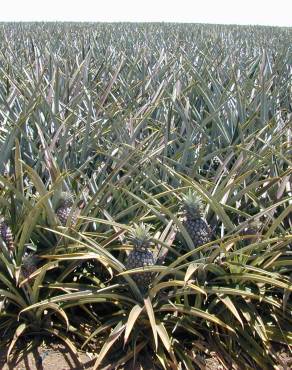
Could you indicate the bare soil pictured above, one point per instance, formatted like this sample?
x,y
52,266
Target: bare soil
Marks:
x,y
49,357
56,356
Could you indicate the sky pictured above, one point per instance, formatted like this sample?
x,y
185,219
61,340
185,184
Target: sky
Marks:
x,y
263,12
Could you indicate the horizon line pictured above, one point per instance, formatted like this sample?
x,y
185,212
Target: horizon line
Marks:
x,y
147,22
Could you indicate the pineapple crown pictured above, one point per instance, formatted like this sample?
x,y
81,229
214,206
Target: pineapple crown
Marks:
x,y
66,199
140,236
192,204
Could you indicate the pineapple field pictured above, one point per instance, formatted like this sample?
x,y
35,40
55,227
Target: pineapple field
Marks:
x,y
146,194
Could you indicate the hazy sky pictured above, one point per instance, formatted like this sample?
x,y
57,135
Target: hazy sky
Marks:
x,y
266,12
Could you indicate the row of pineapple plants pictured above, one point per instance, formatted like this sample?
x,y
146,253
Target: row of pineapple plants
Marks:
x,y
192,222
145,192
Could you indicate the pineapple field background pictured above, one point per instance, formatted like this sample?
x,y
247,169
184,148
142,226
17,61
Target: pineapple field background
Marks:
x,y
145,193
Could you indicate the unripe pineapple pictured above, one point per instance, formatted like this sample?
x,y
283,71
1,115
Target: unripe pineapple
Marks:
x,y
6,234
29,265
193,221
140,255
253,230
215,163
64,209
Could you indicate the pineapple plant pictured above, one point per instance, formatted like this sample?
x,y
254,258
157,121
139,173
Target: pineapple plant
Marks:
x,y
6,234
64,209
196,226
140,256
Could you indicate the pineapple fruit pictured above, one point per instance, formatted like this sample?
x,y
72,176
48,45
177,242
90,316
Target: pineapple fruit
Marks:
x,y
64,209
193,221
253,230
29,265
6,234
140,255
215,162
